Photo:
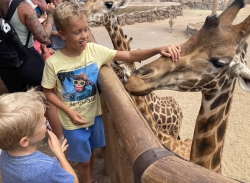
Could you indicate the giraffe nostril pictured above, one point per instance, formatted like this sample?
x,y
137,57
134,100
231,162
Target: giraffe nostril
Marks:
x,y
109,5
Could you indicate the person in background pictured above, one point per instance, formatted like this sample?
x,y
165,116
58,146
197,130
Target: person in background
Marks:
x,y
22,126
41,48
56,41
25,20
51,113
41,6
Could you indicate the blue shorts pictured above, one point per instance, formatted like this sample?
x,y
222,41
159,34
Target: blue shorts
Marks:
x,y
82,141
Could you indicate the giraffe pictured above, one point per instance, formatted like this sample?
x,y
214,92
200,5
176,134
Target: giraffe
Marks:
x,y
211,61
162,113
171,22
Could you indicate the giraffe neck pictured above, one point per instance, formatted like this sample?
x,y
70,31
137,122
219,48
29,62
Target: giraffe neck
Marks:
x,y
151,106
212,119
211,125
112,25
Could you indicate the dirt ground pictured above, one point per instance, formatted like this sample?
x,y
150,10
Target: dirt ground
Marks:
x,y
236,151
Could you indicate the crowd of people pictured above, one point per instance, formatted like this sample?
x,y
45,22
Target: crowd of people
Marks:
x,y
62,86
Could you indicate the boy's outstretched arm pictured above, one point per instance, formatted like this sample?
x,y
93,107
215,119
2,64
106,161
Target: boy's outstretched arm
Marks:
x,y
75,117
172,51
55,147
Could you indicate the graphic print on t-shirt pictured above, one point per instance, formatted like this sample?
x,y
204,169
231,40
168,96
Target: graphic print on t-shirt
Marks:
x,y
79,84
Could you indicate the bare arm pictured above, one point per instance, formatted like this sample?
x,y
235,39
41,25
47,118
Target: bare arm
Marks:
x,y
4,7
28,17
55,147
172,51
75,117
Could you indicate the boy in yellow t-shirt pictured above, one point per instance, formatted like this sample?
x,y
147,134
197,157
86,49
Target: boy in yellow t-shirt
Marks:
x,y
73,71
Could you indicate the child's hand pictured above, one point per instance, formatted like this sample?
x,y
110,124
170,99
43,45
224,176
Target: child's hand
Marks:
x,y
44,15
64,145
43,48
172,51
50,7
55,33
48,42
54,144
51,51
76,118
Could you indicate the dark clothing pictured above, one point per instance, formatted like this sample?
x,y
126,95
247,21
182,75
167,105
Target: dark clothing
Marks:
x,y
30,73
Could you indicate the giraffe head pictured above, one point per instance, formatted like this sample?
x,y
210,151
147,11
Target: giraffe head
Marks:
x,y
210,58
97,9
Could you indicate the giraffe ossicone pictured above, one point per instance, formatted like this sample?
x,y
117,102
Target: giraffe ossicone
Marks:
x,y
163,114
211,61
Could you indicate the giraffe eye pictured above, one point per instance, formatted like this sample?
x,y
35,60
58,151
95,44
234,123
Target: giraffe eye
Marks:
x,y
217,63
108,4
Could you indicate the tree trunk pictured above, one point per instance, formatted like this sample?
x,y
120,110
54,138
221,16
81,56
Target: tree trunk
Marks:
x,y
214,7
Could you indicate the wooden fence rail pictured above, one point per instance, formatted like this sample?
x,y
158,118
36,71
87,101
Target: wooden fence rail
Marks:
x,y
133,153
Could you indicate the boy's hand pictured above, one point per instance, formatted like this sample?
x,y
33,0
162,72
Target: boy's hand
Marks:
x,y
55,33
64,145
76,118
172,51
54,144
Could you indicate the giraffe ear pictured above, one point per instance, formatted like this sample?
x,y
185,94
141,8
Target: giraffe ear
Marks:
x,y
228,15
122,4
244,84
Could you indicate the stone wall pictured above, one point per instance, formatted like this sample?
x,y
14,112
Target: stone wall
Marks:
x,y
195,4
202,4
163,11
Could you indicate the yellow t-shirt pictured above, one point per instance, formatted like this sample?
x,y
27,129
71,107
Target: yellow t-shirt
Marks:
x,y
76,82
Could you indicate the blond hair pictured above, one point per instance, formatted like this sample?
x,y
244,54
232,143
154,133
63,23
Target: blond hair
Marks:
x,y
19,114
66,11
